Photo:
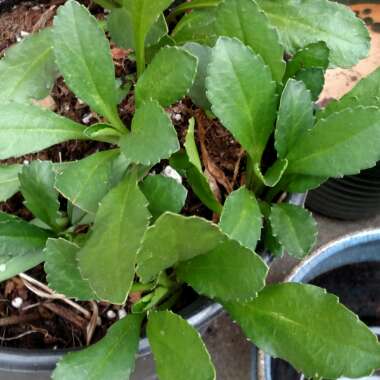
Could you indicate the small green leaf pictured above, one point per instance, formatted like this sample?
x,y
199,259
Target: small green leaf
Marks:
x,y
274,174
271,242
102,132
244,20
171,240
294,227
21,245
168,78
84,183
193,4
191,146
108,258
84,58
295,116
314,80
214,273
152,136
310,329
238,79
62,271
28,70
344,143
172,337
241,218
112,358
302,23
9,183
37,187
163,194
27,129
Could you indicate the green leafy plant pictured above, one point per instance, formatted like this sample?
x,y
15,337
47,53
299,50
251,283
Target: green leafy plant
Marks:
x,y
229,57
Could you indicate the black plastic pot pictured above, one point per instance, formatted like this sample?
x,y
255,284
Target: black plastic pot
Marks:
x,y
348,267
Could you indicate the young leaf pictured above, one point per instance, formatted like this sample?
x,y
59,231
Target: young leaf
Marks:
x,y
172,337
274,174
84,183
28,69
309,328
241,218
294,227
271,242
295,116
163,194
152,136
27,129
112,358
344,143
9,183
214,273
302,23
103,132
119,226
171,240
239,80
191,146
21,245
193,4
37,187
61,267
84,58
314,79
244,20
168,78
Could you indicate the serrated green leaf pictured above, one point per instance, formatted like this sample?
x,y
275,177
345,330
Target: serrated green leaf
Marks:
x,y
153,136
274,173
314,79
239,80
84,58
85,182
62,270
309,328
303,183
163,194
21,245
214,273
9,183
37,187
295,116
171,336
271,243
108,258
27,129
344,143
302,23
171,240
112,358
294,228
28,70
244,20
197,92
241,218
168,77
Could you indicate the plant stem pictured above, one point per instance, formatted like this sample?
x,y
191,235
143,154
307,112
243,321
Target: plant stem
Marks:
x,y
140,59
254,182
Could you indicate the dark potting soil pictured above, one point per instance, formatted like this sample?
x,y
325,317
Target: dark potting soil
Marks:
x,y
45,323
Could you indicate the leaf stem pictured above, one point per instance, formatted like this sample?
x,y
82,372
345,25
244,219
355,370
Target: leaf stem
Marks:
x,y
117,123
254,182
140,59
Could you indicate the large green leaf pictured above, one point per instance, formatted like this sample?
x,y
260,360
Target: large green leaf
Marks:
x,y
241,218
153,136
37,187
84,58
242,94
309,328
294,228
112,358
21,245
344,143
27,129
28,69
9,183
61,267
172,337
295,116
244,20
163,194
107,260
168,77
303,183
214,273
87,181
302,23
171,240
